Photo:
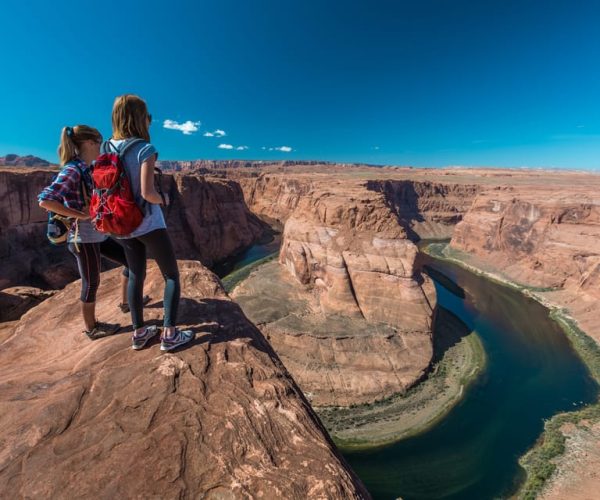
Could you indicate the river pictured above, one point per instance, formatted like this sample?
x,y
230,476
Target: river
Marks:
x,y
532,373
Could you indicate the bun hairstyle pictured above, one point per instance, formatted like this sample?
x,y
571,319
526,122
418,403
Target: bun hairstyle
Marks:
x,y
130,118
72,137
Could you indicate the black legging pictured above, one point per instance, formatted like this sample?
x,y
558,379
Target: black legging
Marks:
x,y
158,244
88,262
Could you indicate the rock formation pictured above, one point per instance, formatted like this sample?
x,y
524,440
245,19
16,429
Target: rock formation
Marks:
x,y
208,220
345,243
427,209
12,160
542,237
219,419
337,360
16,301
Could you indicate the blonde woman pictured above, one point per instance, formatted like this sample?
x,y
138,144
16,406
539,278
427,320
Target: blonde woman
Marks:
x,y
130,121
67,195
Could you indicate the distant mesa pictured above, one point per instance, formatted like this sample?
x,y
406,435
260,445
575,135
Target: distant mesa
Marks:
x,y
12,160
206,166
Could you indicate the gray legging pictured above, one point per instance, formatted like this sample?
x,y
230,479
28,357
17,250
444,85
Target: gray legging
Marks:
x,y
158,244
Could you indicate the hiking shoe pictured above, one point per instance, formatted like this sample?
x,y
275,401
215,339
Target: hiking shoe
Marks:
x,y
140,340
102,329
181,337
125,307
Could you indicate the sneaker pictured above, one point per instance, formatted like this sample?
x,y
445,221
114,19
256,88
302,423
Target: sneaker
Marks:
x,y
102,329
181,337
139,341
125,307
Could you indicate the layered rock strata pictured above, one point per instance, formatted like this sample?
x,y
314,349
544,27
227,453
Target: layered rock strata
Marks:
x,y
351,249
539,237
220,418
427,209
208,220
367,333
337,360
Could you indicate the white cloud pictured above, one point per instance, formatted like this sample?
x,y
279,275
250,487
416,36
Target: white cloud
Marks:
x,y
225,146
215,133
188,127
285,149
241,148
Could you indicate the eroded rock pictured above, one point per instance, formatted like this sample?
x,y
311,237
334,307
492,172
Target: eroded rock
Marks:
x,y
219,419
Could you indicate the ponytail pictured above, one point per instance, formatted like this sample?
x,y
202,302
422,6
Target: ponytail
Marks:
x,y
67,149
71,137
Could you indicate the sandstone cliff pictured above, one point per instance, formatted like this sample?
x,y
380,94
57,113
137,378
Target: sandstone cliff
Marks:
x,y
538,236
346,245
208,220
427,209
13,160
218,419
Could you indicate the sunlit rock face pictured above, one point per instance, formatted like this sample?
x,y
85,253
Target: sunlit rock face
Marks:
x,y
220,418
208,220
539,236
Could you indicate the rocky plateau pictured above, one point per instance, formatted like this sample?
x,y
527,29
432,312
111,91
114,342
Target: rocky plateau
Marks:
x,y
349,257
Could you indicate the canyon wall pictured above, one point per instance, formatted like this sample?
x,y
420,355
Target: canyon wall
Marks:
x,y
427,209
344,242
351,249
537,236
208,220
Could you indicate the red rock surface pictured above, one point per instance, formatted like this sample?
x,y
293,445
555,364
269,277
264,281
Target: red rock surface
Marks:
x,y
208,221
337,360
13,160
346,241
219,419
16,301
578,470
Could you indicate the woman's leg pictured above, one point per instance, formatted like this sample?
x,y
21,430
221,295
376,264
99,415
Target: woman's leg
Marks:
x,y
88,263
115,252
158,244
135,252
124,289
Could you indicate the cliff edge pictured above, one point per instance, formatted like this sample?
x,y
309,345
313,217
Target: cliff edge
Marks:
x,y
221,418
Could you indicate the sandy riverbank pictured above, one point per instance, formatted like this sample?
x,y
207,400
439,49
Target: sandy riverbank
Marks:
x,y
459,359
564,461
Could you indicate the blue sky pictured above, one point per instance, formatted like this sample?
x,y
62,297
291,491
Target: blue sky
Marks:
x,y
422,82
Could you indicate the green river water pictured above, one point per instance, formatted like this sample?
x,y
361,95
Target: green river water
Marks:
x,y
532,373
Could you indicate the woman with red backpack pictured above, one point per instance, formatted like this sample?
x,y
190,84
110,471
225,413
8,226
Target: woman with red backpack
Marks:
x,y
131,143
68,196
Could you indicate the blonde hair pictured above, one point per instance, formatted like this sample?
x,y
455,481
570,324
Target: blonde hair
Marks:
x,y
72,137
130,118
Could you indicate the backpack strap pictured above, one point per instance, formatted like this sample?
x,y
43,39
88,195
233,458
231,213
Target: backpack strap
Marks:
x,y
129,144
158,184
120,150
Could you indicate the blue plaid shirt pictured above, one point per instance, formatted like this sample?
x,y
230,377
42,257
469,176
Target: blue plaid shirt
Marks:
x,y
66,186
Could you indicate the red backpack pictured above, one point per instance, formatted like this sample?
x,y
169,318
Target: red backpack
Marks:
x,y
113,208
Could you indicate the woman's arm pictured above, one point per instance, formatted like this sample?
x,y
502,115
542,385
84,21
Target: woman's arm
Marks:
x,y
147,181
60,209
